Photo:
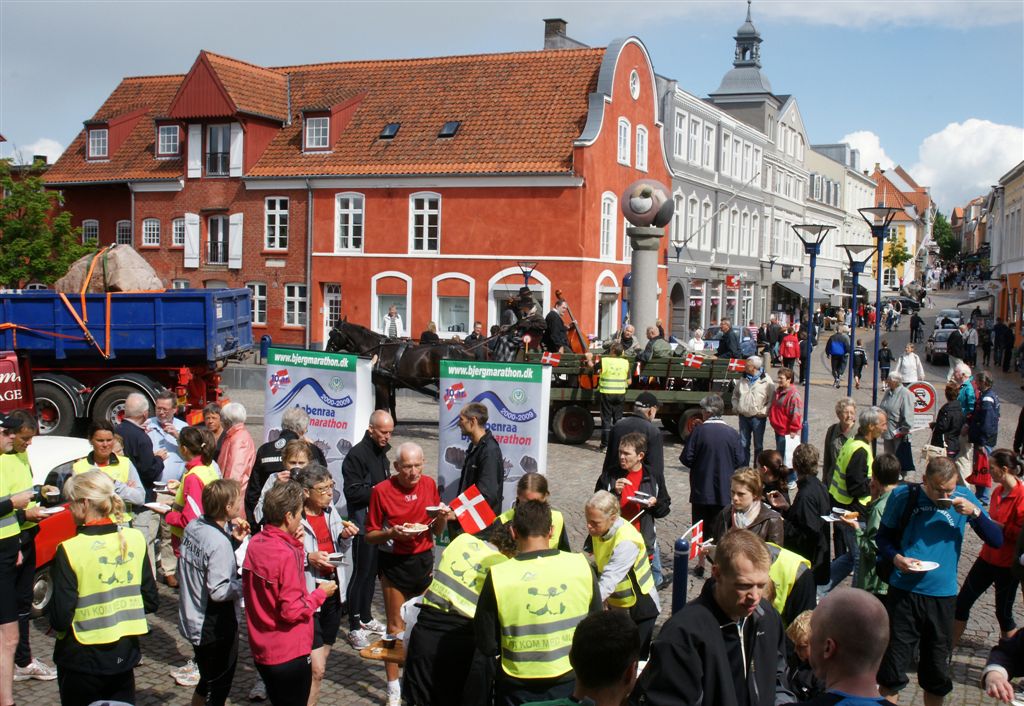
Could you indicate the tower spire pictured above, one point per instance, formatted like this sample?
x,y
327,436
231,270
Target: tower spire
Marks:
x,y
748,43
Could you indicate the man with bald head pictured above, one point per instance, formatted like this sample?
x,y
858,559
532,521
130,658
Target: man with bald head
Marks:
x,y
849,632
365,465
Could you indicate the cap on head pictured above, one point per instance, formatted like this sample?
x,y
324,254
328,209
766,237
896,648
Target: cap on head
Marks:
x,y
645,400
6,422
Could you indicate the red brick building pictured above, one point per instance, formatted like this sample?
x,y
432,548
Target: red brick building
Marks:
x,y
340,189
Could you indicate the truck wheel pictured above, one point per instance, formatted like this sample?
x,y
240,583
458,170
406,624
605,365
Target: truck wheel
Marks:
x,y
55,412
110,404
688,421
42,591
572,424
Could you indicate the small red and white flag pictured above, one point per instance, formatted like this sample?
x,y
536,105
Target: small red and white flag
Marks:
x,y
692,360
737,365
696,534
472,511
550,358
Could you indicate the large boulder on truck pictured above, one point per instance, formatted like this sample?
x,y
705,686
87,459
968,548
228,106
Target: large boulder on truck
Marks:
x,y
115,268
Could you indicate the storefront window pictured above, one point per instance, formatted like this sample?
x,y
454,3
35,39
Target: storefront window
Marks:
x,y
732,306
748,304
715,304
697,287
453,315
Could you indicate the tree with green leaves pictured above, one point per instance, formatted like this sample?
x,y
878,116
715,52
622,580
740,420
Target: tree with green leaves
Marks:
x,y
942,234
897,253
37,240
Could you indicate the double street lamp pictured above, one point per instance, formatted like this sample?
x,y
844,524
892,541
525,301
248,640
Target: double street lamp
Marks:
x,y
858,261
878,218
527,269
812,236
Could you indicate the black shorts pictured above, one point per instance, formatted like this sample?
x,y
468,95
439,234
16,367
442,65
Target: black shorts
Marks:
x,y
327,622
409,573
925,622
8,579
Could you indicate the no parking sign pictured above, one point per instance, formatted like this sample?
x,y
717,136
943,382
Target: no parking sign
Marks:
x,y
924,403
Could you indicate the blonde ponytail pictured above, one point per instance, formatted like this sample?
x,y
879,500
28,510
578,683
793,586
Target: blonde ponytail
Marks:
x,y
98,488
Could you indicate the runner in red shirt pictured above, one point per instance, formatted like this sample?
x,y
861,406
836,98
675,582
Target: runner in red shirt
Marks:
x,y
397,520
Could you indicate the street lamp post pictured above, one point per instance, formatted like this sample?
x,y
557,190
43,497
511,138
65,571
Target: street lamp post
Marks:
x,y
812,236
857,265
527,268
878,218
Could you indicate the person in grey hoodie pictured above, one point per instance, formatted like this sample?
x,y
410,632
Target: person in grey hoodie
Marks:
x,y
208,602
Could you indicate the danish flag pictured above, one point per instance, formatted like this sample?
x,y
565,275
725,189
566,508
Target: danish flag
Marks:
x,y
737,365
472,511
696,538
279,380
549,358
692,360
455,392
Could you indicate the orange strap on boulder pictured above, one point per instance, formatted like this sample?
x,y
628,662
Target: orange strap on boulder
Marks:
x,y
81,324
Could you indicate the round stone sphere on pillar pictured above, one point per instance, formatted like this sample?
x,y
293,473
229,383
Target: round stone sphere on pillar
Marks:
x,y
647,202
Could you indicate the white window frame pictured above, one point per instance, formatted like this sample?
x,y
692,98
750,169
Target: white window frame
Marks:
x,y
627,247
259,315
692,219
608,221
180,284
151,232
422,232
705,224
99,143
755,230
694,141
890,278
745,232
90,231
224,153
317,133
641,148
679,135
625,132
276,223
756,166
708,151
352,231
678,220
737,158
178,233
726,161
165,138
123,233
224,233
734,230
747,162
296,304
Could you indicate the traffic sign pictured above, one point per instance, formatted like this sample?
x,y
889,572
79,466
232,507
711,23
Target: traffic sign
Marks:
x,y
924,403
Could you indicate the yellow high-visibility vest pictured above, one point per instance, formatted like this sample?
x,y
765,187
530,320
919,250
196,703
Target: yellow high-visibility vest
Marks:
x,y
837,489
207,474
557,523
786,568
460,575
540,602
614,375
109,603
625,594
119,472
15,477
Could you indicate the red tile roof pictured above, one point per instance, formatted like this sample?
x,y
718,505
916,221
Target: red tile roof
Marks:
x,y
520,113
887,194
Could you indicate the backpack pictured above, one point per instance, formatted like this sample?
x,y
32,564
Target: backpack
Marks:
x,y
883,566
836,346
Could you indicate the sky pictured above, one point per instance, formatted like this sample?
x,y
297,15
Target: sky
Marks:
x,y
937,87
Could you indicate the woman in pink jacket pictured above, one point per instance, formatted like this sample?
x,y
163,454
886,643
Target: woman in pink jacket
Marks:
x,y
278,608
237,449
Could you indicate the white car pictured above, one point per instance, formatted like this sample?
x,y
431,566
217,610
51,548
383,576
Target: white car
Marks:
x,y
948,314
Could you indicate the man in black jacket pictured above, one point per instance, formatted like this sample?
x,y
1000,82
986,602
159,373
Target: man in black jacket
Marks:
x,y
484,466
556,335
365,466
956,350
729,342
726,647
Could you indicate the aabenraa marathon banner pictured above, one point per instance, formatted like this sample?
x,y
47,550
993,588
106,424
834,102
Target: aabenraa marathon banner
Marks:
x,y
517,397
335,391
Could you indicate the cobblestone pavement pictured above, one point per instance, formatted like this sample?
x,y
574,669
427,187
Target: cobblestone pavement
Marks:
x,y
572,471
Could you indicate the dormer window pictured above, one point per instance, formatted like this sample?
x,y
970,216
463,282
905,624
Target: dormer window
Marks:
x,y
449,128
98,143
389,131
168,141
317,131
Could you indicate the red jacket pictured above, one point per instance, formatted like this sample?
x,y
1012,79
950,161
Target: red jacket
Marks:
x,y
785,411
278,609
790,346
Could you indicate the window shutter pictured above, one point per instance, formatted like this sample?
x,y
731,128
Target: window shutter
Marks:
x,y
191,236
195,152
235,241
236,153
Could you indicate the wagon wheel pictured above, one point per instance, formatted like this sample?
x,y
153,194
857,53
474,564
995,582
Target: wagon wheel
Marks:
x,y
572,424
688,421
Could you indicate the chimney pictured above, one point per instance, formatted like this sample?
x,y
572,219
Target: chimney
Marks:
x,y
39,158
554,29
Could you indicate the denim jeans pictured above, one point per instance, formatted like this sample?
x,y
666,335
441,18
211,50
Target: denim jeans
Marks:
x,y
752,427
843,566
983,493
656,569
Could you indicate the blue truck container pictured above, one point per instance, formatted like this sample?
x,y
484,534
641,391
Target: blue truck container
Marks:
x,y
84,357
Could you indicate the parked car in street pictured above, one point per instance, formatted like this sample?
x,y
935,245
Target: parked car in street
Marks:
x,y
945,316
935,346
748,344
904,305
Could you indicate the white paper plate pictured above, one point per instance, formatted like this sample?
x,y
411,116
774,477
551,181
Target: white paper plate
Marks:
x,y
52,510
159,507
414,530
829,518
922,566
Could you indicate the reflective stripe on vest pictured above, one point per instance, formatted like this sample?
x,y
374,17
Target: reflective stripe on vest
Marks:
x,y
460,575
614,374
540,602
786,568
557,523
206,475
838,487
624,595
119,472
109,604
15,477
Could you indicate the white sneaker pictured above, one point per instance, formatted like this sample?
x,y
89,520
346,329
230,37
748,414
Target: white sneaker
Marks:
x,y
258,692
374,626
34,670
394,696
359,638
187,668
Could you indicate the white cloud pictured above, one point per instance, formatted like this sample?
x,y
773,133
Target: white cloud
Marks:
x,y
871,150
963,160
23,154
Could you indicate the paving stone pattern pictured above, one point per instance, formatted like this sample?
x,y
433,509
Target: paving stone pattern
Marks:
x,y
572,471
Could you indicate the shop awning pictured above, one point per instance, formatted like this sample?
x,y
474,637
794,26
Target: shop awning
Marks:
x,y
800,289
